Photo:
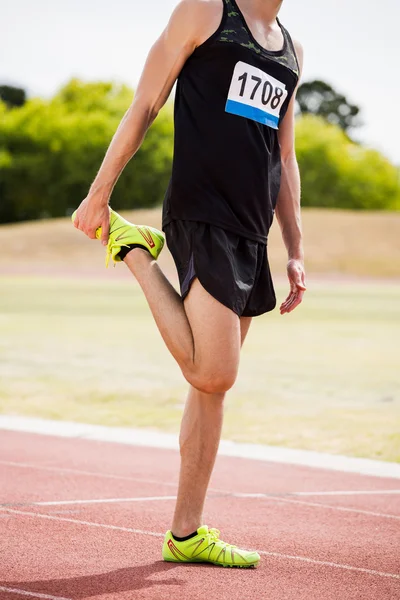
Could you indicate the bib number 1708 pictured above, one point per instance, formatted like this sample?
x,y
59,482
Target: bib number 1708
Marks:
x,y
269,93
256,95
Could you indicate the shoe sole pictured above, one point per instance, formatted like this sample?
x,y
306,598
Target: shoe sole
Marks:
x,y
210,562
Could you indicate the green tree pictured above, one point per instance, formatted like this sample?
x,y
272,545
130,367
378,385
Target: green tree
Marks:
x,y
53,149
12,96
319,98
339,173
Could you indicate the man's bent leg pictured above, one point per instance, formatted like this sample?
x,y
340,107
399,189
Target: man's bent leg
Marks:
x,y
165,304
199,439
202,334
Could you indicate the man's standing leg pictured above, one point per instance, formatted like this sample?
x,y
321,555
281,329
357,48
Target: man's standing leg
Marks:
x,y
199,439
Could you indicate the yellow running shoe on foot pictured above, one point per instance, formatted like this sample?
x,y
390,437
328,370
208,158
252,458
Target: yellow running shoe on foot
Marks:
x,y
123,234
206,547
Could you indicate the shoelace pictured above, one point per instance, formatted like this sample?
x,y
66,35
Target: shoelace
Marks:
x,y
109,250
215,533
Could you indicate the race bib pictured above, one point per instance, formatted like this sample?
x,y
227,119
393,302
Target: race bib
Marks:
x,y
256,95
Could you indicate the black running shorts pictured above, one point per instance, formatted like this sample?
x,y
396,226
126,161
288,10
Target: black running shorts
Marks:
x,y
232,269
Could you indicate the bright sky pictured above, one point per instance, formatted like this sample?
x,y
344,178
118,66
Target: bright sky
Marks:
x,y
352,44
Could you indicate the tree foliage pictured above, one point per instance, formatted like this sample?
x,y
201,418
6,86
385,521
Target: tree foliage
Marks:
x,y
338,173
52,149
12,96
319,98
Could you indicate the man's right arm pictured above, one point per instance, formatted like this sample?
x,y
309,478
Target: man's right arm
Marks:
x,y
191,23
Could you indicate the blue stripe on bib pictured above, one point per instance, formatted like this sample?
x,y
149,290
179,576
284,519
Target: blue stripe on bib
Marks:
x,y
251,112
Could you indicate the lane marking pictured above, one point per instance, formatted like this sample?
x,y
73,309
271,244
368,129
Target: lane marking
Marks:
x,y
65,512
231,494
346,493
326,563
104,500
78,522
33,594
87,473
157,439
234,495
10,463
161,535
317,505
171,484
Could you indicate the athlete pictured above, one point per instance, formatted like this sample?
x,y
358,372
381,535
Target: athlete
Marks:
x,y
234,166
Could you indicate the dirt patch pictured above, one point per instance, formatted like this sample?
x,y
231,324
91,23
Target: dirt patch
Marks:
x,y
341,244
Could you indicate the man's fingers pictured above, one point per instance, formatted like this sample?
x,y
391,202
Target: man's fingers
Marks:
x,y
290,296
295,304
90,232
296,300
293,300
287,302
297,282
286,307
76,220
105,228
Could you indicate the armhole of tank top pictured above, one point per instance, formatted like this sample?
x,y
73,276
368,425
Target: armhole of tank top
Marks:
x,y
291,44
220,28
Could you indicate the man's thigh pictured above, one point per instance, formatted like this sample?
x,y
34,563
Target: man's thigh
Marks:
x,y
217,332
245,323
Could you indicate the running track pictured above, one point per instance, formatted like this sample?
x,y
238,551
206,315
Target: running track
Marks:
x,y
85,519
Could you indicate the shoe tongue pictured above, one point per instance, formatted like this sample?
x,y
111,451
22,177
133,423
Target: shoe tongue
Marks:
x,y
203,530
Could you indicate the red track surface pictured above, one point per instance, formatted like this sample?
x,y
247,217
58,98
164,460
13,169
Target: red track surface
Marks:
x,y
321,547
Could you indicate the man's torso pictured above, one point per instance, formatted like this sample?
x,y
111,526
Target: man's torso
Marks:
x,y
232,94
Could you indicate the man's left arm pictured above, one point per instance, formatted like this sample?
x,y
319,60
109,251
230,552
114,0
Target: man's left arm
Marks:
x,y
288,206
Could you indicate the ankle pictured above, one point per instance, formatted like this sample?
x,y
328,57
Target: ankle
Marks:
x,y
133,250
184,538
182,531
138,259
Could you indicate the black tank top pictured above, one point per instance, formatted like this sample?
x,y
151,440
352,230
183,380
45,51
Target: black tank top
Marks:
x,y
231,97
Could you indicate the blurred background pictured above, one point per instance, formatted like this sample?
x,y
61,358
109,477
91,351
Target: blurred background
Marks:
x,y
78,342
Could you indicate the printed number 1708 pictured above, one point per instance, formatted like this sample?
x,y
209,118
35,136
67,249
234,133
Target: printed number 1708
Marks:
x,y
269,94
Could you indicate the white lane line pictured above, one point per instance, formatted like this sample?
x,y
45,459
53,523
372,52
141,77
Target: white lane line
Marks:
x,y
10,463
231,494
87,473
161,535
347,493
317,505
104,500
326,563
175,485
171,484
32,594
234,495
78,522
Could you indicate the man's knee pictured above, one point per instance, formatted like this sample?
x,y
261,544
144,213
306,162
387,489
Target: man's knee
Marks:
x,y
217,382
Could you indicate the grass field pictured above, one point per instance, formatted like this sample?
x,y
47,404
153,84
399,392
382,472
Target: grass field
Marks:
x,y
325,377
